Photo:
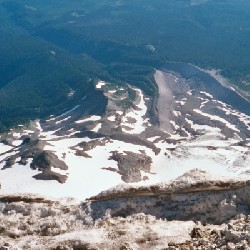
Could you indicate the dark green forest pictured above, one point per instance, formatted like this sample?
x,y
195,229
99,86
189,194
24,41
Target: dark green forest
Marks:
x,y
48,48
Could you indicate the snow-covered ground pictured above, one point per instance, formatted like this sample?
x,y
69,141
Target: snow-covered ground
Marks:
x,y
100,84
207,149
86,176
224,160
63,120
136,114
4,148
217,118
91,118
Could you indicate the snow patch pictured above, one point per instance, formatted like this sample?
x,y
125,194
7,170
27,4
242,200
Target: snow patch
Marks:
x,y
202,127
38,126
206,94
180,102
4,148
217,118
174,125
17,143
92,118
136,114
100,84
111,118
97,127
63,120
69,111
177,113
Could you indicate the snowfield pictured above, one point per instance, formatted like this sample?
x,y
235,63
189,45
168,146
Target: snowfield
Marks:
x,y
138,115
91,118
86,176
100,84
217,118
186,137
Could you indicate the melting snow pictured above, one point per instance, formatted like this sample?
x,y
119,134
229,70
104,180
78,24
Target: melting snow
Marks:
x,y
119,112
137,127
204,103
112,91
63,120
100,84
111,118
38,126
28,132
177,113
17,143
97,127
180,102
50,135
217,118
241,116
174,125
69,111
92,118
4,148
202,127
86,176
206,94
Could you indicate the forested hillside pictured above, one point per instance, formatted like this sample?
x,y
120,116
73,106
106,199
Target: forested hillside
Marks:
x,y
49,49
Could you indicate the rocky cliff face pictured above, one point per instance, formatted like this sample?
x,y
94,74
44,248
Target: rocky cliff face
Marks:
x,y
195,211
131,164
193,196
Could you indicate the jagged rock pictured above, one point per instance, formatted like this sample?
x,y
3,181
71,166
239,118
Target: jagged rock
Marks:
x,y
23,161
30,149
82,153
197,233
125,247
91,144
136,141
195,195
9,162
231,246
50,175
26,140
33,145
7,141
45,160
130,165
34,222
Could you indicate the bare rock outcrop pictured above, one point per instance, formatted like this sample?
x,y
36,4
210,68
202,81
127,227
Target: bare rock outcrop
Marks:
x,y
131,164
188,215
194,196
48,175
45,160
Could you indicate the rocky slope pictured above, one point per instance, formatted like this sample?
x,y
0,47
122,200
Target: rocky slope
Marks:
x,y
193,196
194,122
208,214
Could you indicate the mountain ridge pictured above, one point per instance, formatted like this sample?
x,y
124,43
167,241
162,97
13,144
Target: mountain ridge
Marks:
x,y
66,223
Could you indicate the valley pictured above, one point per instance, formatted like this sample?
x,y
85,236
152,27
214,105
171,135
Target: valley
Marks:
x,y
72,154
124,125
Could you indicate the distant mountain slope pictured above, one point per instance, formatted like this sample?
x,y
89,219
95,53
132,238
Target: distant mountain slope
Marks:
x,y
211,34
49,49
195,122
39,79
